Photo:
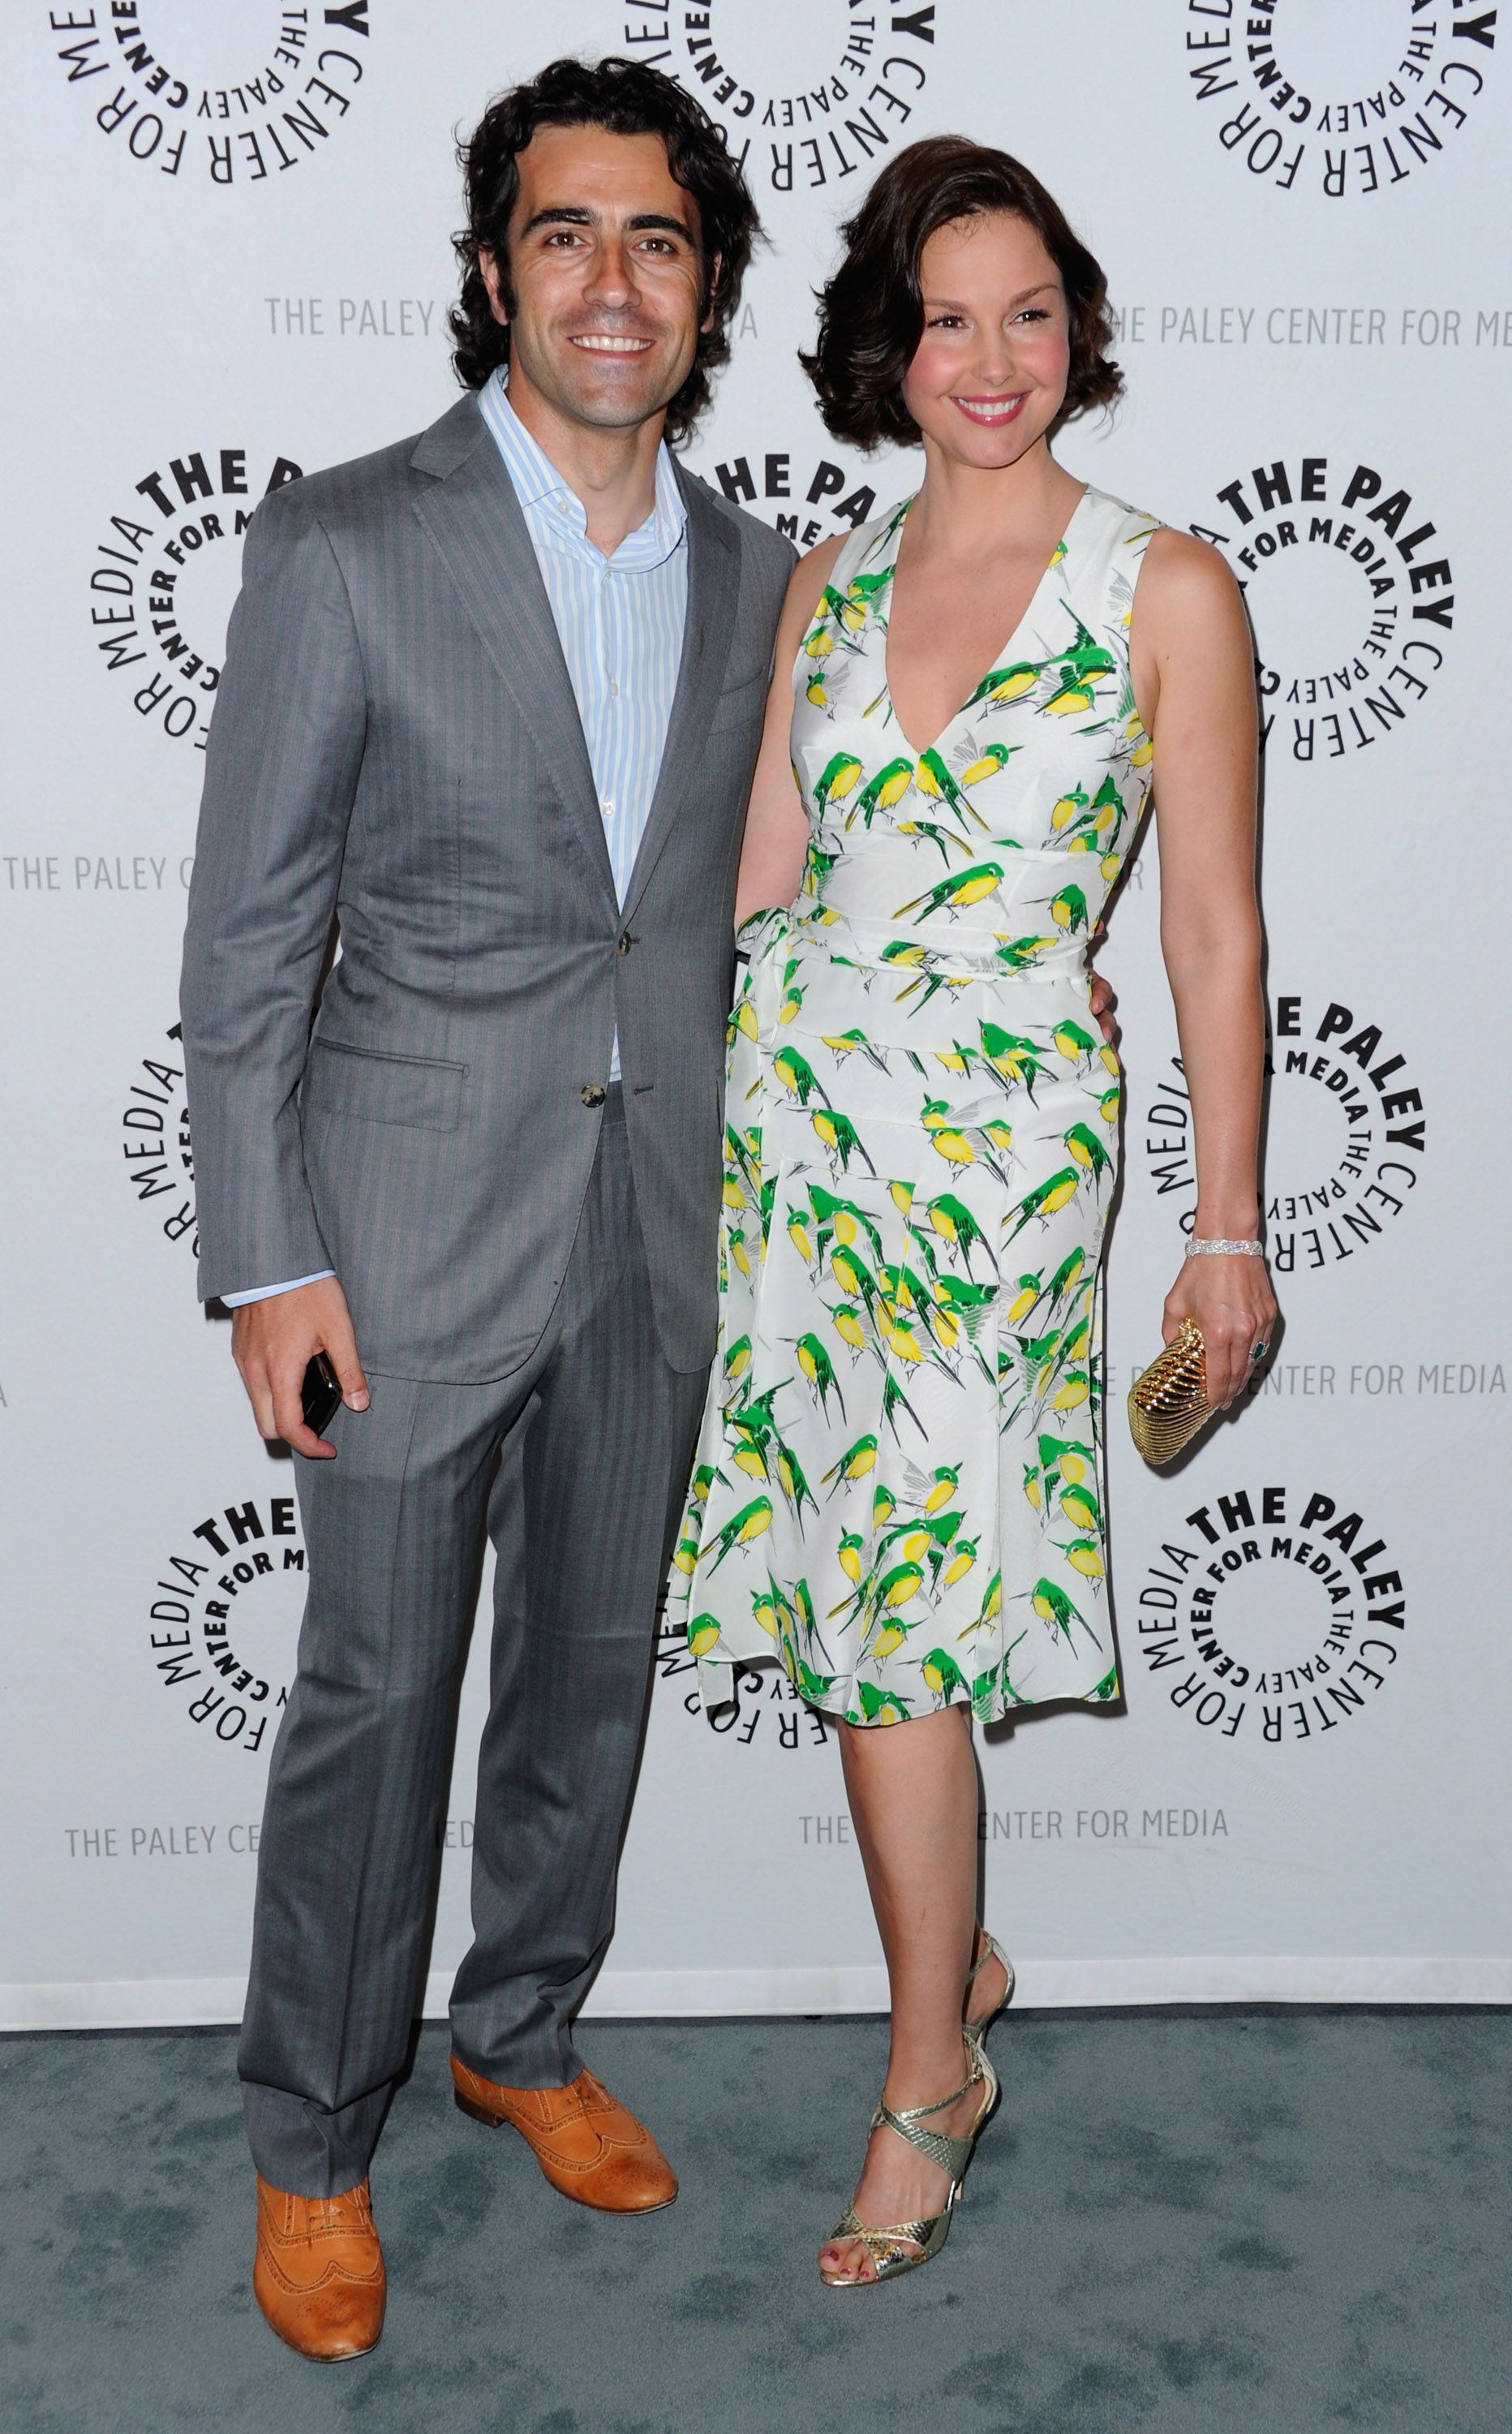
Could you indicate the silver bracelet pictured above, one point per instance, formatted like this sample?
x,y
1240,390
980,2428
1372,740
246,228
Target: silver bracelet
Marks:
x,y
1197,1244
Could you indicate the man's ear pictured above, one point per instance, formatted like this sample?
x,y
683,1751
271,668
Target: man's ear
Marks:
x,y
714,269
492,280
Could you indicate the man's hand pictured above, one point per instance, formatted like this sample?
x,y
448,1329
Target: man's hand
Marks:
x,y
272,1344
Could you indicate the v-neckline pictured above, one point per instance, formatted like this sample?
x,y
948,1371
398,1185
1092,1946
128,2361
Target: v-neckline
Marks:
x,y
1059,552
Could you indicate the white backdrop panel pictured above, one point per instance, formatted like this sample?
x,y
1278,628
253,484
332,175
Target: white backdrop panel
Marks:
x,y
1304,1797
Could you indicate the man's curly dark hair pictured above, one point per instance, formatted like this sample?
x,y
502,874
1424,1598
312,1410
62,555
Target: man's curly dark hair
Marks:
x,y
871,315
627,99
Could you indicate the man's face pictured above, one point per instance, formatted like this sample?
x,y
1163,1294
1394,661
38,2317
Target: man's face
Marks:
x,y
605,276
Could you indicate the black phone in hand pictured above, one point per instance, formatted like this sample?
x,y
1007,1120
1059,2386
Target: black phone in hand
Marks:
x,y
320,1394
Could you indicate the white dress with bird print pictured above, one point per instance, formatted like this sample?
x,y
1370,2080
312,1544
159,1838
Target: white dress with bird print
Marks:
x,y
899,1481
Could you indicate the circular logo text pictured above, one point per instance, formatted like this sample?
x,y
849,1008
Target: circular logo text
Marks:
x,y
157,82
1277,1617
1351,99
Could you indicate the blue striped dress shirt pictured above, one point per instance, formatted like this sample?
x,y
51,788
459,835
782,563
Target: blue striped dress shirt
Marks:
x,y
620,620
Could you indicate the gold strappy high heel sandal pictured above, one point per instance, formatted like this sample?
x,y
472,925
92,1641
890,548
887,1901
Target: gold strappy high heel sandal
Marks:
x,y
975,2030
929,2235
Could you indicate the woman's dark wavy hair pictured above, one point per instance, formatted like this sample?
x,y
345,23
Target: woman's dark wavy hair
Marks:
x,y
871,315
627,99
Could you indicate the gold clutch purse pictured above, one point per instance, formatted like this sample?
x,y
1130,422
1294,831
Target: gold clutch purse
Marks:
x,y
1168,1402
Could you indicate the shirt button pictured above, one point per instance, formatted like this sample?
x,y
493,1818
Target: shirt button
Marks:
x,y
608,808
593,1094
613,687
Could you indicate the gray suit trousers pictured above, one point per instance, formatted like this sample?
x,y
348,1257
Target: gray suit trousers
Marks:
x,y
577,1462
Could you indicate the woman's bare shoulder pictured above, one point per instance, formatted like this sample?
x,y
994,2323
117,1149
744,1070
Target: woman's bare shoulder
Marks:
x,y
1185,574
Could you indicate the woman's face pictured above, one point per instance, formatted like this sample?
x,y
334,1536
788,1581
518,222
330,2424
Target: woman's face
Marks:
x,y
989,375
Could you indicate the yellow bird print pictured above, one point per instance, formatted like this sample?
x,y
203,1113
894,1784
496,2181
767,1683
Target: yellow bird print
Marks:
x,y
912,1096
968,887
847,1325
840,776
959,1564
986,764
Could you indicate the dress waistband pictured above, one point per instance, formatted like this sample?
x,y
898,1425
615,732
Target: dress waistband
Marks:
x,y
963,950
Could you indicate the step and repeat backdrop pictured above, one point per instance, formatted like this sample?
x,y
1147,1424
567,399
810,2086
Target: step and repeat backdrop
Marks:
x,y
229,265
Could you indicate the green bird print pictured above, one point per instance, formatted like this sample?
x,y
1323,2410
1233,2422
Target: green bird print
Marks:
x,y
1055,1610
796,1074
857,1460
932,778
840,776
942,1675
817,1366
1014,1058
883,1706
1087,1149
839,1136
747,1524
888,787
897,1495
1045,1199
954,1223
940,838
966,888
1008,683
973,766
793,1484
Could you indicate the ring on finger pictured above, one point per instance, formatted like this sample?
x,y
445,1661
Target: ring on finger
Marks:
x,y
1258,1351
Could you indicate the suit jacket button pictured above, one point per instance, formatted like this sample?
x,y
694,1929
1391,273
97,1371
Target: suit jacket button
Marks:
x,y
626,942
593,1094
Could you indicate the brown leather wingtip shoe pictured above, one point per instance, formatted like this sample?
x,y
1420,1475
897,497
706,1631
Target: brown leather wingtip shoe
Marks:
x,y
587,2144
319,2276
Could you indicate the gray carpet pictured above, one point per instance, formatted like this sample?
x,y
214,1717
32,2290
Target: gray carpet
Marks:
x,y
1281,2223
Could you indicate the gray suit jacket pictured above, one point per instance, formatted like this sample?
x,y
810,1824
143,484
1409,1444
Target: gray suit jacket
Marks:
x,y
395,743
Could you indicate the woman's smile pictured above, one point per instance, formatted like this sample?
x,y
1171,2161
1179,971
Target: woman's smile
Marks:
x,y
990,410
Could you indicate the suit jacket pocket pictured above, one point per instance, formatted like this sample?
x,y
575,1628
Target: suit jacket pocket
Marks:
x,y
380,1089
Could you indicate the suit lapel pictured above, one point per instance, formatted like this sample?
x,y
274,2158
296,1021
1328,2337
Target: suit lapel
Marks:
x,y
475,521
713,595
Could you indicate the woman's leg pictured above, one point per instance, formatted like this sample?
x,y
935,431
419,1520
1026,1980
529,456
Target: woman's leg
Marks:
x,y
913,1789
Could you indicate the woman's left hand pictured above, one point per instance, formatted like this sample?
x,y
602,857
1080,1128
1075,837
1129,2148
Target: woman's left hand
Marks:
x,y
1226,1294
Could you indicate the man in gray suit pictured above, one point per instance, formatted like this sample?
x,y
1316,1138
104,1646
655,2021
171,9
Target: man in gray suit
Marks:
x,y
491,702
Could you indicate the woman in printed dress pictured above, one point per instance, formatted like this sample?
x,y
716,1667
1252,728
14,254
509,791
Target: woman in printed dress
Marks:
x,y
899,1483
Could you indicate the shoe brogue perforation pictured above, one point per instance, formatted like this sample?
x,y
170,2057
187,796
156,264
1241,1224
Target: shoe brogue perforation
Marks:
x,y
318,2275
622,2169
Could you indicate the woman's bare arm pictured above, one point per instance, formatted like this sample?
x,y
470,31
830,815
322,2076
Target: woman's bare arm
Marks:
x,y
1194,671
776,824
